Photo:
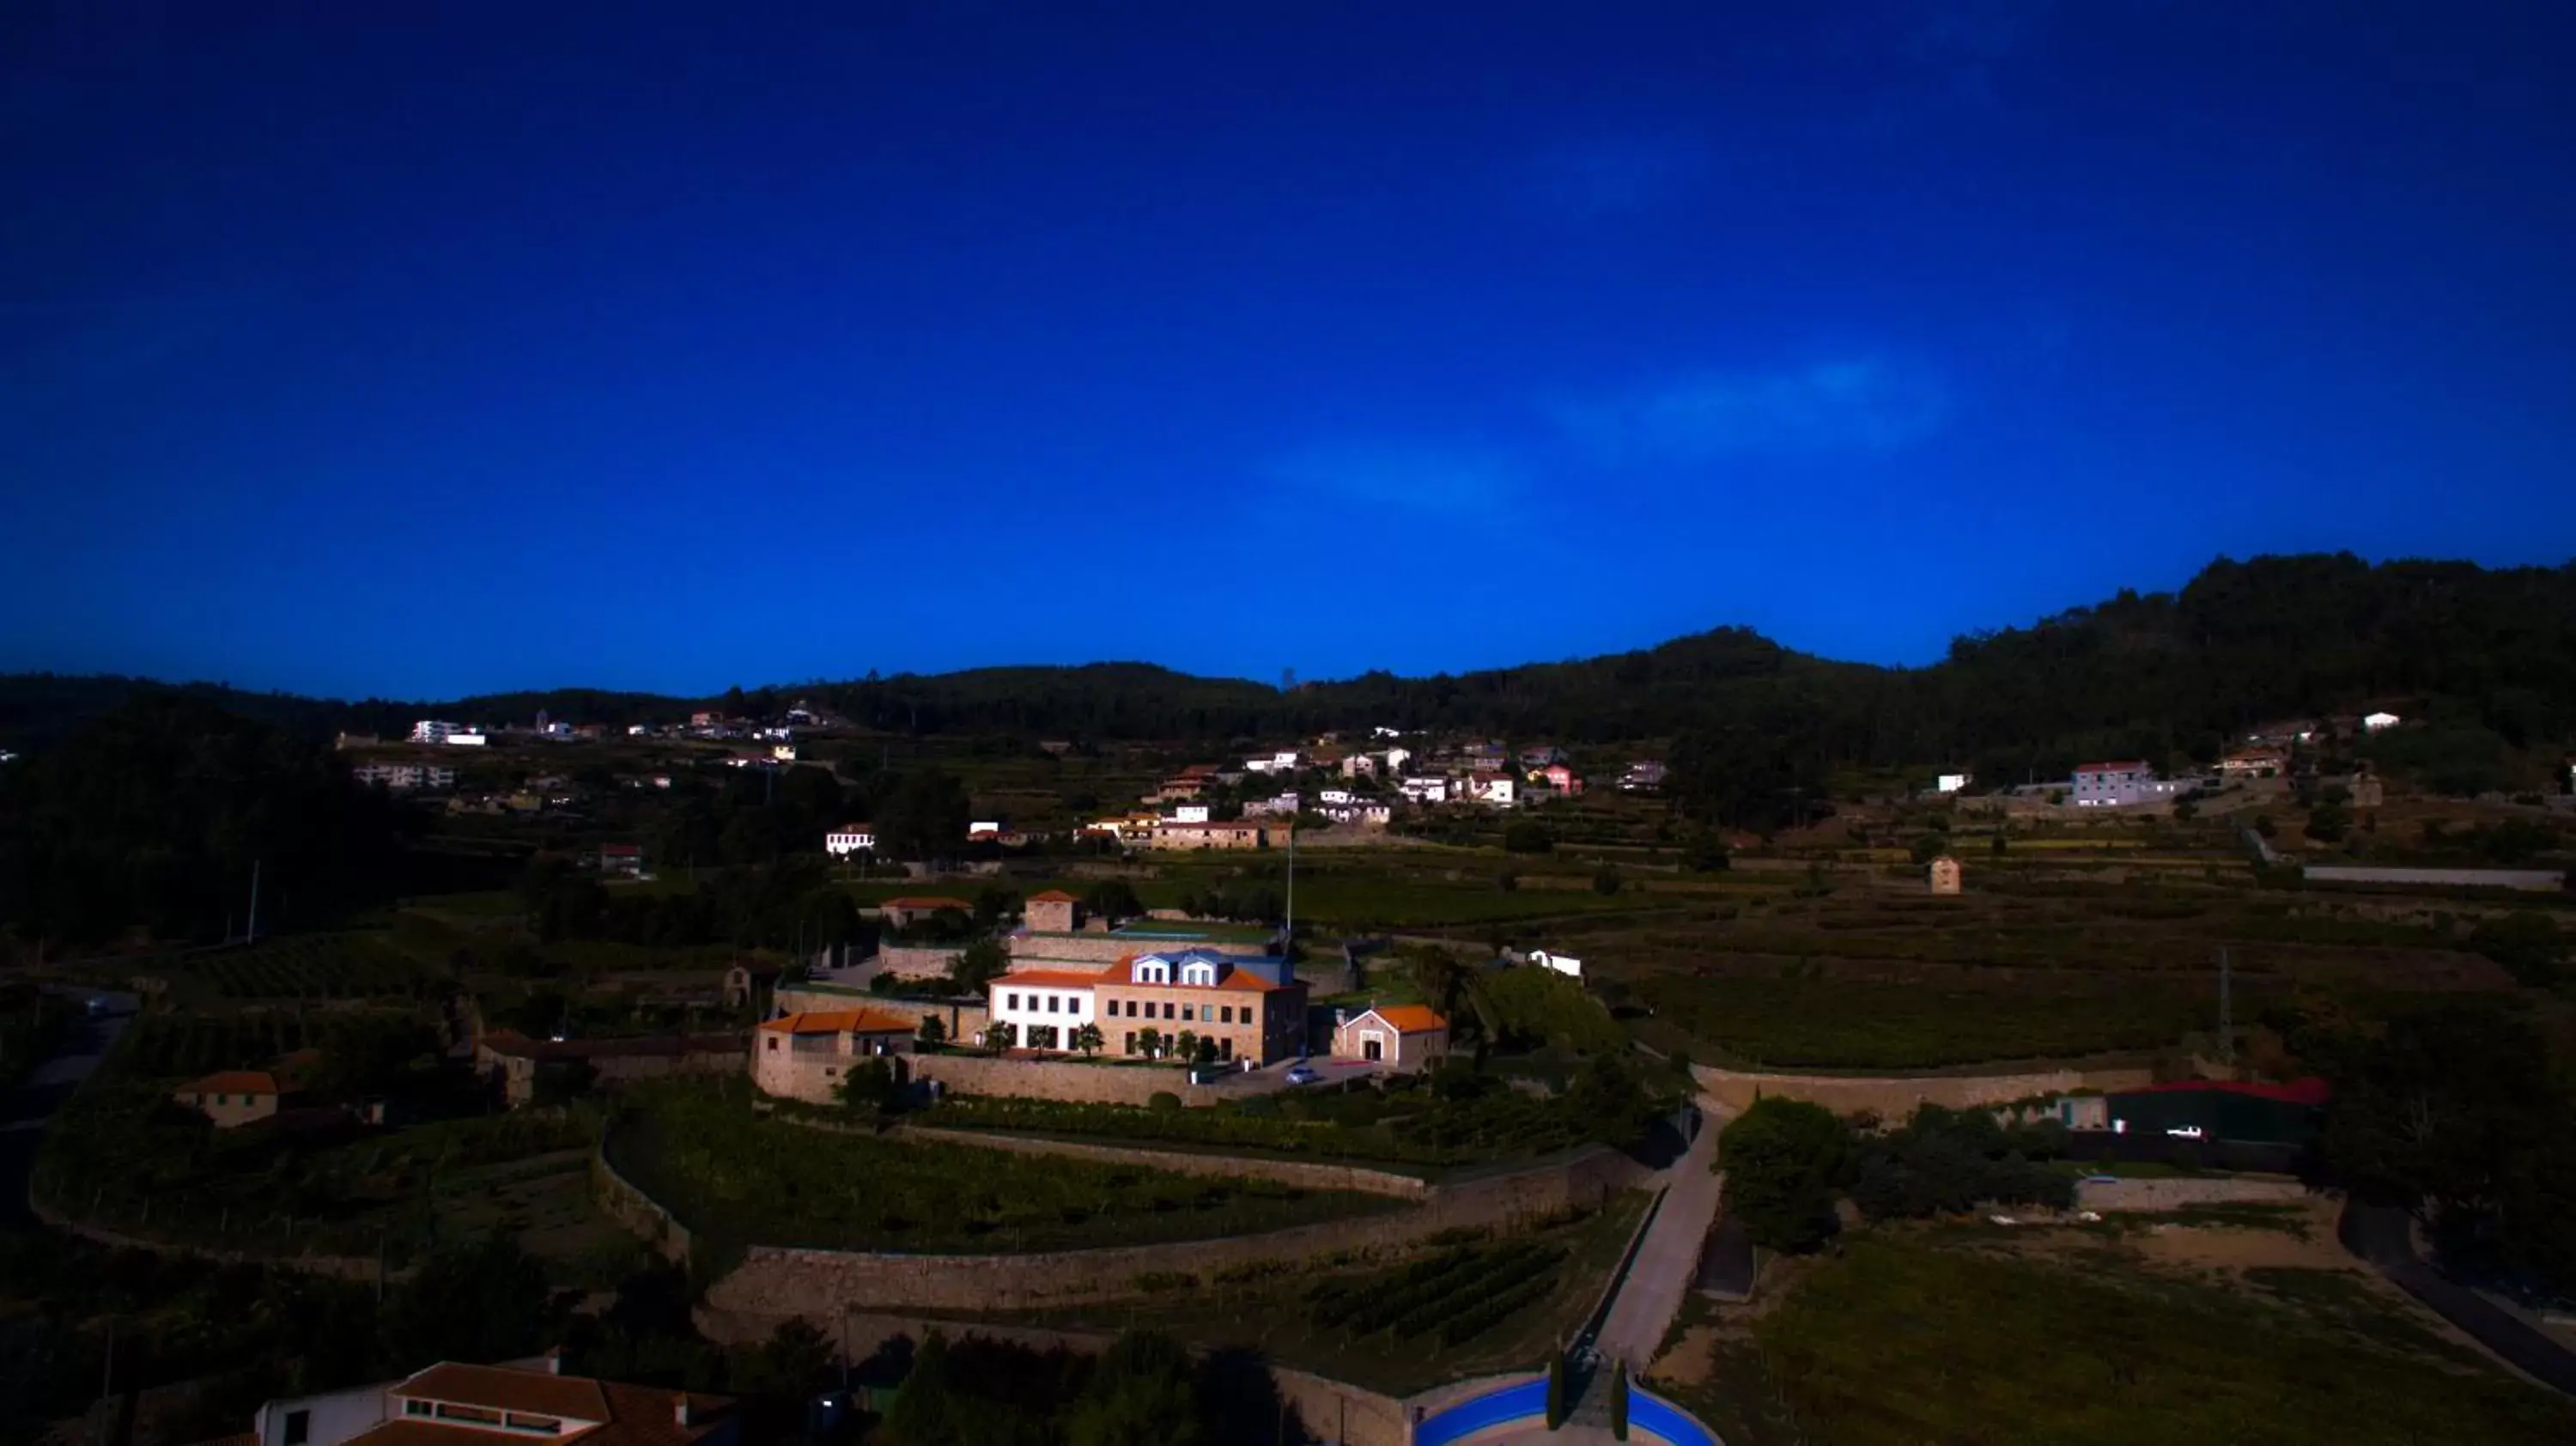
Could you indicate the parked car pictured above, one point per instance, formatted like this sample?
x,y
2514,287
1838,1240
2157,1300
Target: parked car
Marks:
x,y
1302,1074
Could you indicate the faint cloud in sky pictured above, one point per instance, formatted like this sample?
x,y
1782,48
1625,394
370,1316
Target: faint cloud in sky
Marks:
x,y
1615,177
1427,481
1865,405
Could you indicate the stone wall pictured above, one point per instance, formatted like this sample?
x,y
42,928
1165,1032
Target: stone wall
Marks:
x,y
822,1284
622,1202
2535,879
917,961
1037,1079
2174,1194
1304,1174
1895,1097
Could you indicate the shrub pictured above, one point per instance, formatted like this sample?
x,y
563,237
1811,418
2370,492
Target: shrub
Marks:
x,y
1607,881
1783,1160
1164,1101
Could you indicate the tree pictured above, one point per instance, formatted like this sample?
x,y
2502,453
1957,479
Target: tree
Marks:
x,y
979,964
2529,945
1930,846
1783,1160
487,1301
932,1034
1149,1042
993,904
1142,1393
1207,1051
1185,1048
925,817
1088,1039
868,1087
1112,899
999,1036
2328,821
1706,853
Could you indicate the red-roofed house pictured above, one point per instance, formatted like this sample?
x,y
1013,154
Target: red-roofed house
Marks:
x,y
803,1056
1053,912
232,1098
1403,1037
899,913
463,1405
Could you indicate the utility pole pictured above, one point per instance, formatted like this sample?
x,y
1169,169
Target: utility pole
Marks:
x,y
250,934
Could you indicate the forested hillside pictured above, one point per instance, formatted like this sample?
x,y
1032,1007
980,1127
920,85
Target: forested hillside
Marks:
x,y
2489,654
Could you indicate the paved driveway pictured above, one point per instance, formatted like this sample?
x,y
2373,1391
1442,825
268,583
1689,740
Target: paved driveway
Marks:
x,y
1668,1261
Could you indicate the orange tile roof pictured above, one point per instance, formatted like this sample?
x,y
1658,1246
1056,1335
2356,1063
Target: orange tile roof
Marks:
x,y
501,1388
233,1082
1411,1018
841,1021
1052,979
928,901
1053,896
621,1414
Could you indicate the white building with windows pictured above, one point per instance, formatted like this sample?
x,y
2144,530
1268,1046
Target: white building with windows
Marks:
x,y
1190,813
431,730
850,838
2378,722
1425,788
1043,1007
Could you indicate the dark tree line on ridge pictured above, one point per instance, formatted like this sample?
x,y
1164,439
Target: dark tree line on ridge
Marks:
x,y
2486,657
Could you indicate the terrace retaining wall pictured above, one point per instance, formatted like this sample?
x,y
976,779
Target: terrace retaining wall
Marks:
x,y
822,1284
1895,1097
2174,1194
1304,1174
1042,1079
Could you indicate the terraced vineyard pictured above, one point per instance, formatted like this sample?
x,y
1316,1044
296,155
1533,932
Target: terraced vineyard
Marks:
x,y
1456,1295
318,966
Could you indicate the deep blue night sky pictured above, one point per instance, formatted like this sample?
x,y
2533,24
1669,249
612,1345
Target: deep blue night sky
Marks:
x,y
423,349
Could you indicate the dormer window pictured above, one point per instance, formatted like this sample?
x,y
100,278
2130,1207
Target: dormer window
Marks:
x,y
1153,971
1200,972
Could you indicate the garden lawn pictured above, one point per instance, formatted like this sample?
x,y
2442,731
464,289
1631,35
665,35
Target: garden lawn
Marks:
x,y
1903,1341
740,1177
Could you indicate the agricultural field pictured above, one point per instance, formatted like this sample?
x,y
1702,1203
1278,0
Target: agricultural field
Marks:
x,y
353,965
1472,1306
731,1174
1451,1298
1937,1335
1774,1022
124,1157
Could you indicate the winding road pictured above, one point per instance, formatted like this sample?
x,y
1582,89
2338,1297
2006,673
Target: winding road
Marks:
x,y
33,1105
